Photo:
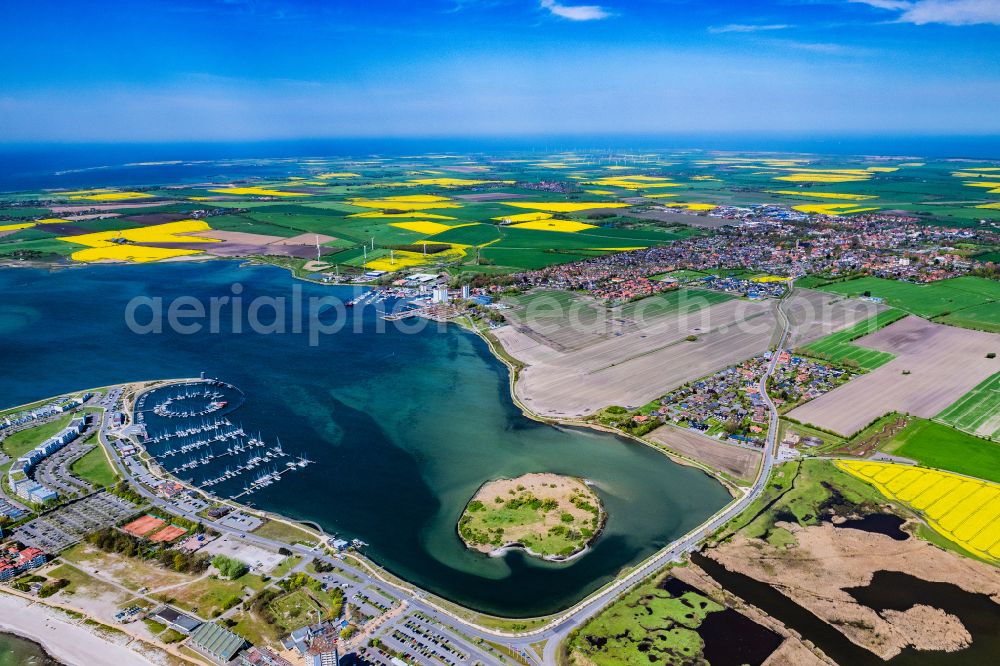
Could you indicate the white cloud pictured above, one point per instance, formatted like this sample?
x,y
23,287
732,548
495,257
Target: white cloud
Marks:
x,y
742,27
575,12
954,12
886,4
947,12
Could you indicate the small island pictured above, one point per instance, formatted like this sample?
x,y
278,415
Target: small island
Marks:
x,y
550,516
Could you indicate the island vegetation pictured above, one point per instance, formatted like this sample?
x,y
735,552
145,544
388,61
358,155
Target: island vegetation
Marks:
x,y
550,516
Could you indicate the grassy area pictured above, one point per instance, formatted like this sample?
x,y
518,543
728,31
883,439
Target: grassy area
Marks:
x,y
940,446
280,531
549,514
649,620
798,492
946,299
285,566
295,609
829,440
839,347
254,628
210,597
21,442
82,583
131,572
976,411
94,467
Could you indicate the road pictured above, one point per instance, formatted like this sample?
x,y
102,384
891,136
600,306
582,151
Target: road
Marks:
x,y
559,628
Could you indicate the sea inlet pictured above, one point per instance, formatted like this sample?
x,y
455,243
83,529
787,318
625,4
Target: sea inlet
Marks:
x,y
403,426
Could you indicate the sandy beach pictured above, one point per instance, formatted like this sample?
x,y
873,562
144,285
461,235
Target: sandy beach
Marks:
x,y
70,643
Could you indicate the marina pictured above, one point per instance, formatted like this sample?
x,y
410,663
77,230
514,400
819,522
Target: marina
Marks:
x,y
209,453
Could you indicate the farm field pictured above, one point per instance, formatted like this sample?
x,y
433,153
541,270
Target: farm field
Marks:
x,y
937,445
840,348
575,378
814,314
965,511
978,411
737,461
934,366
586,206
948,300
566,321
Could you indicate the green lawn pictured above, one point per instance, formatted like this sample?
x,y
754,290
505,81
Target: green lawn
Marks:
x,y
280,531
976,411
839,347
95,468
942,447
21,442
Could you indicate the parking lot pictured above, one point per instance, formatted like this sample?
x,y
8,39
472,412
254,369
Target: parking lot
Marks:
x,y
258,559
69,524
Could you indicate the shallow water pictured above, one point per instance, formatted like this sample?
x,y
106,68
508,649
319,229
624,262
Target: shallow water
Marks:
x,y
403,427
17,651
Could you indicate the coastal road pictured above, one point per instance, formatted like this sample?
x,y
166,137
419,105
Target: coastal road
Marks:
x,y
579,615
555,632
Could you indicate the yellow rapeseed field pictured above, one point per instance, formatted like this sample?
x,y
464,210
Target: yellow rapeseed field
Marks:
x,y
769,278
259,191
446,182
112,196
876,169
132,253
28,225
428,228
831,209
554,225
564,206
337,174
822,178
962,509
102,246
524,217
600,193
991,206
401,259
691,206
825,195
659,196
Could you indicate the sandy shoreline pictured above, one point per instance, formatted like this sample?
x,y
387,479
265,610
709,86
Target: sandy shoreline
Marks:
x,y
64,640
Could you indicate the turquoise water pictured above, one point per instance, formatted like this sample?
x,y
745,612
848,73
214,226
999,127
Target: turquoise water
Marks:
x,y
403,427
17,651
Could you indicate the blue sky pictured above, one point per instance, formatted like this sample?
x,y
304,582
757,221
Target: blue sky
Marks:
x,y
271,69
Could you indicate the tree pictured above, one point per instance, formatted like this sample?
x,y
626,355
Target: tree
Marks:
x,y
230,567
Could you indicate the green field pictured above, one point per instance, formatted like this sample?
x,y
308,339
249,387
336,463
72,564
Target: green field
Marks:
x,y
978,411
984,317
19,443
648,620
968,301
94,467
839,347
942,447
